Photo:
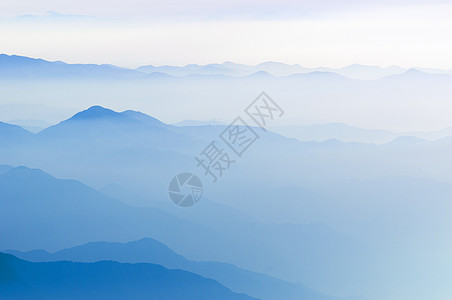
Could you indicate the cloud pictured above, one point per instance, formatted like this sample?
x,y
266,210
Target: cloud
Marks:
x,y
404,35
51,16
197,9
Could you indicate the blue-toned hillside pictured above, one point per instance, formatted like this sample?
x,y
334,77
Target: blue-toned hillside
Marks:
x,y
104,280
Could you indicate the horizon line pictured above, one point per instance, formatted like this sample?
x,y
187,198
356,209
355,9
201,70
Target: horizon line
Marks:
x,y
231,62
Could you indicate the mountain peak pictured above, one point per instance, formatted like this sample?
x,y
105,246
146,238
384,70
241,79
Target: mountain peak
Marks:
x,y
98,108
414,71
418,74
98,120
25,173
271,63
260,74
95,112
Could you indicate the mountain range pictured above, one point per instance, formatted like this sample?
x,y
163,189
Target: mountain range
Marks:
x,y
20,279
349,134
44,90
13,66
39,211
151,251
316,132
24,67
332,210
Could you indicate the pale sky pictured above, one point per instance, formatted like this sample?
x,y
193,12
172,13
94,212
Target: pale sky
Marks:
x,y
311,33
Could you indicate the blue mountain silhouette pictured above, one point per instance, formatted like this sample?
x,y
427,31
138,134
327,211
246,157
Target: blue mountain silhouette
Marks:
x,y
11,134
151,251
21,67
104,280
52,214
101,147
116,129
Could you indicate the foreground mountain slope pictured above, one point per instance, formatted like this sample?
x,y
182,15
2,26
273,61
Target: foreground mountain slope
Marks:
x,y
12,134
39,211
104,280
151,251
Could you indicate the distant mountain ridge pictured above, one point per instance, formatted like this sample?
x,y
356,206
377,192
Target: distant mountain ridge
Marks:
x,y
315,132
348,134
272,68
14,66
